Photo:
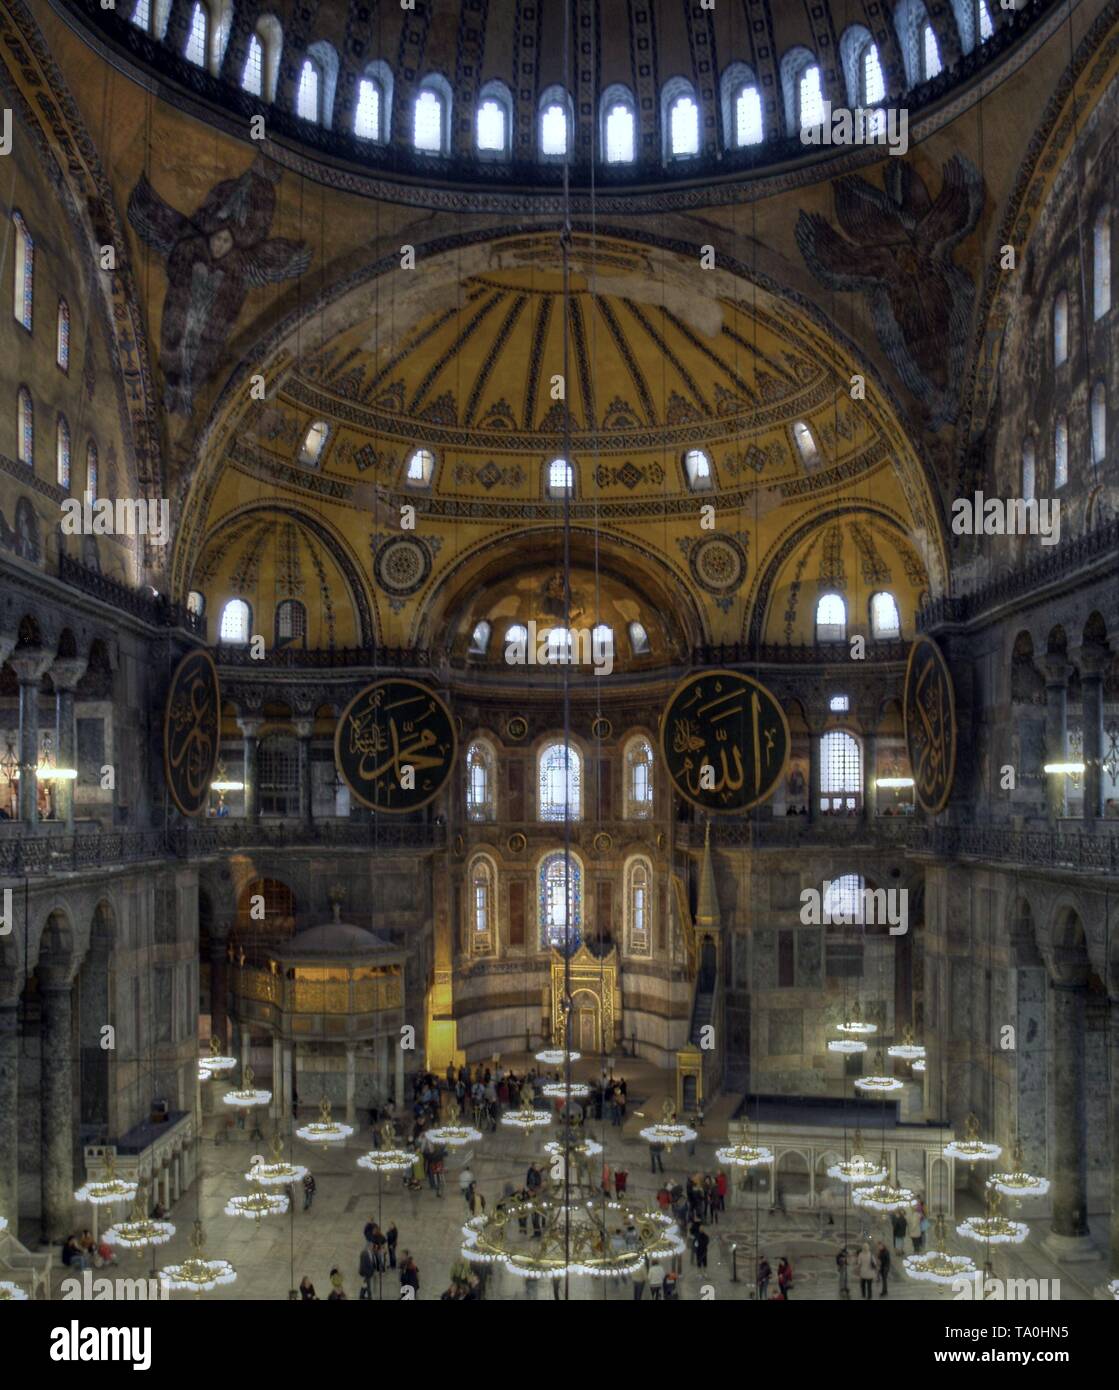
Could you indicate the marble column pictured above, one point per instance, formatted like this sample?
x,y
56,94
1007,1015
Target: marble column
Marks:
x,y
277,1084
9,1113
813,776
398,1075
351,1082
30,667
65,675
219,983
56,1095
1093,663
870,778
1070,1166
1056,732
250,731
304,730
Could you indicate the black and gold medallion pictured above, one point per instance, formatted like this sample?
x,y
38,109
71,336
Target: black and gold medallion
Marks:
x,y
395,745
724,740
930,724
192,732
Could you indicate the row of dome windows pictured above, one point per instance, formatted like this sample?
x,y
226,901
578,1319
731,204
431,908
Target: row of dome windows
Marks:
x,y
236,625
559,475
740,91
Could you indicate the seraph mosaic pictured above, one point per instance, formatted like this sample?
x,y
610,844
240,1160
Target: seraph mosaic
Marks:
x,y
214,256
897,247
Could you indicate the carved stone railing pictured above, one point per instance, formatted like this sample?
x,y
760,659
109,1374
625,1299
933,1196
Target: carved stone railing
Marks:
x,y
397,157
1093,850
1058,563
29,852
323,658
141,603
796,831
813,654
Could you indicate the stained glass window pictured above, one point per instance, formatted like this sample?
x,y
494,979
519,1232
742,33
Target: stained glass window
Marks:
x,y
63,452
63,346
25,272
252,78
26,427
91,470
561,895
560,782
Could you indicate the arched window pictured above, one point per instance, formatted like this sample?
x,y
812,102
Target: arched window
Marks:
x,y
561,903
236,622
639,908
494,121
872,83
25,425
314,442
516,635
638,639
559,782
421,468
804,91
479,639
806,443
560,478
24,292
885,620
262,58
368,110
741,104
697,470
618,133
1060,328
1029,471
831,618
431,116
555,123
198,38
142,15
62,347
843,900
62,452
680,119
639,778
278,775
1101,263
1099,422
308,97
983,21
91,470
481,779
291,623
930,53
1060,452
841,772
481,920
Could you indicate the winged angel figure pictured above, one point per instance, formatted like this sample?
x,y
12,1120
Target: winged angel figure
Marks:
x,y
897,248
214,257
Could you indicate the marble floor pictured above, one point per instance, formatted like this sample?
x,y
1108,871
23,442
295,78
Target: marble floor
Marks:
x,y
272,1256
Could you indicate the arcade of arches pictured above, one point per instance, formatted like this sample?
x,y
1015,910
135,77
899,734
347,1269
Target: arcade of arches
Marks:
x,y
364,347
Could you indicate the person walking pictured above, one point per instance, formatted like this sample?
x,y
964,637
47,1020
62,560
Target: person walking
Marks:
x,y
656,1280
900,1226
656,1162
841,1271
784,1276
308,1190
867,1268
366,1268
640,1277
409,1274
392,1235
620,1178
765,1273
884,1268
702,1241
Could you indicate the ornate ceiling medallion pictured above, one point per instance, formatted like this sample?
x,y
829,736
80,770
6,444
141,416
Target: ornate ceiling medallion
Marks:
x,y
401,566
718,564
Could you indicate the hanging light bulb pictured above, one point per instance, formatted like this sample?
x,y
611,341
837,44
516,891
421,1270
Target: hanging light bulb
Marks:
x,y
859,1168
1018,1183
109,1188
196,1274
247,1097
325,1130
582,1148
850,1047
139,1231
971,1149
527,1117
993,1228
908,1049
884,1195
214,1061
386,1161
556,1056
560,1090
878,1083
855,1025
278,1173
936,1266
745,1155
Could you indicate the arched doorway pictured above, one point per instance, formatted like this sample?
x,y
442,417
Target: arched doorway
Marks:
x,y
586,1021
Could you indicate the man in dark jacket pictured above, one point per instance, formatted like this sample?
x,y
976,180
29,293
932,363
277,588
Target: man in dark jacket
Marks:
x,y
884,1268
409,1273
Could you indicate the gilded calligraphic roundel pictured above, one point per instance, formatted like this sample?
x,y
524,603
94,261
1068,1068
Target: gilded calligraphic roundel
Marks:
x,y
718,563
401,566
725,741
192,731
395,745
930,724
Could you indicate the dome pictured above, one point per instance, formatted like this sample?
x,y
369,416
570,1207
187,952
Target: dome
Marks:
x,y
334,939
